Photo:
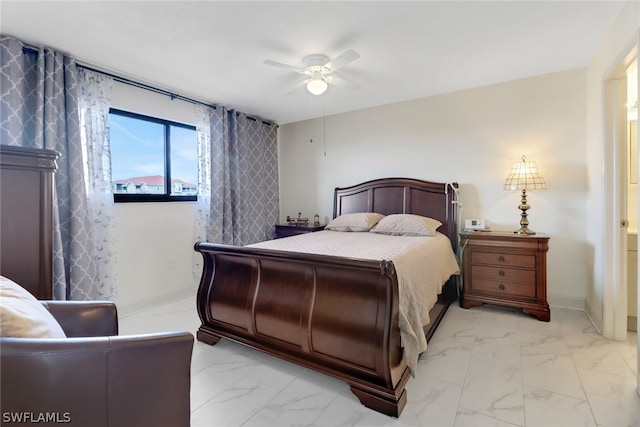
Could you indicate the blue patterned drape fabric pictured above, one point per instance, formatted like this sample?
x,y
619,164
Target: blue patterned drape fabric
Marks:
x,y
254,178
39,108
243,165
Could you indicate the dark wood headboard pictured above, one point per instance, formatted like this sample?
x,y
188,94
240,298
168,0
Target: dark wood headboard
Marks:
x,y
402,195
26,194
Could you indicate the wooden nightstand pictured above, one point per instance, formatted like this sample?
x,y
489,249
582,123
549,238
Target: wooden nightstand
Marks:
x,y
505,269
286,230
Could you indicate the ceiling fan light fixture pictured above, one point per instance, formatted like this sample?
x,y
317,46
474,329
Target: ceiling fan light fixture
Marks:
x,y
319,70
316,86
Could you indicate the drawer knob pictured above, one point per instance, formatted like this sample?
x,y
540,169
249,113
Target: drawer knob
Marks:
x,y
501,287
501,273
501,258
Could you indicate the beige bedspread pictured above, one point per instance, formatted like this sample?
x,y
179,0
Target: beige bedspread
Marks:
x,y
423,265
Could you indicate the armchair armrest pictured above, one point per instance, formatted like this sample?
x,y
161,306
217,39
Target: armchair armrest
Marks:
x,y
85,318
138,380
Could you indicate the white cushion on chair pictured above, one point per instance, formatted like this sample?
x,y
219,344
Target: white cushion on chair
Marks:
x,y
23,316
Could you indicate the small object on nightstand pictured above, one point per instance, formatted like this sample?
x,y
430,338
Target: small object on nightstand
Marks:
x,y
316,220
298,221
505,269
476,224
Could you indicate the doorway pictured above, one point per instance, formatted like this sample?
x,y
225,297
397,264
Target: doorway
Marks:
x,y
617,167
618,164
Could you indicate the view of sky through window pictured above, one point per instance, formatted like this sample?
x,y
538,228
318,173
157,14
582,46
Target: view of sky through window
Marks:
x,y
184,154
137,147
138,156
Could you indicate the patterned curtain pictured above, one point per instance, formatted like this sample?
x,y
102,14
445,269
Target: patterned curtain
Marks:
x,y
203,205
221,226
95,101
253,173
243,204
39,108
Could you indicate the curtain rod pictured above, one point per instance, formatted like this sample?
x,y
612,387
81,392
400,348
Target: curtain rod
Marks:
x,y
160,91
144,86
34,50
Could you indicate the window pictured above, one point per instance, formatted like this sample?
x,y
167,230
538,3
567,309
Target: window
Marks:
x,y
152,160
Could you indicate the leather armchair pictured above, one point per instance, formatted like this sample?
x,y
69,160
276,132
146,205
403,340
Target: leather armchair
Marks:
x,y
94,377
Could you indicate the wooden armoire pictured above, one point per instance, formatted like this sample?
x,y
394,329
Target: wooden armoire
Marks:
x,y
26,217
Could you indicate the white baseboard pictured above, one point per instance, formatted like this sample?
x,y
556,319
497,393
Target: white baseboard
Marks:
x,y
561,301
594,317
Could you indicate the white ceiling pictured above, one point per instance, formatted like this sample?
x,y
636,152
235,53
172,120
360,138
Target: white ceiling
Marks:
x,y
214,51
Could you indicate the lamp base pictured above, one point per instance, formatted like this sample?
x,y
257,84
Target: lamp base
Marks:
x,y
524,222
524,231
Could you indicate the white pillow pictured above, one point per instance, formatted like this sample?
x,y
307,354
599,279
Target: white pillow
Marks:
x,y
23,316
361,221
407,225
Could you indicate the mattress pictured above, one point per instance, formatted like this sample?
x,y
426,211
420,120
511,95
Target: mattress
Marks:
x,y
423,264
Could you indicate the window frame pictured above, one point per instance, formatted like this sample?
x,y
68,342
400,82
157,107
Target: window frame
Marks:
x,y
167,196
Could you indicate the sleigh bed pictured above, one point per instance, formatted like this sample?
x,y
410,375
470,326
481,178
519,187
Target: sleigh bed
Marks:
x,y
337,315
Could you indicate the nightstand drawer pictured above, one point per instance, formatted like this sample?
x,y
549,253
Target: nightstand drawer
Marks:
x,y
525,261
509,274
506,288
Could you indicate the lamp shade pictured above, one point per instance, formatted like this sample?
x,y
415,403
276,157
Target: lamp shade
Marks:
x,y
524,176
317,86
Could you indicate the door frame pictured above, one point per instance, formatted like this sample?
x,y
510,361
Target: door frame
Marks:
x,y
614,315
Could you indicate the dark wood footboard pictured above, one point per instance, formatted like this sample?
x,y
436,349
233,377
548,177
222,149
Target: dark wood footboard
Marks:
x,y
336,315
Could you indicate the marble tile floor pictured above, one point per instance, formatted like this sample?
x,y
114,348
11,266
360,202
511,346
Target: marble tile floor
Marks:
x,y
486,366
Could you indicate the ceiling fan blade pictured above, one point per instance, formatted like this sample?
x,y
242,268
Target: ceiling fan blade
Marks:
x,y
342,59
299,85
339,81
285,66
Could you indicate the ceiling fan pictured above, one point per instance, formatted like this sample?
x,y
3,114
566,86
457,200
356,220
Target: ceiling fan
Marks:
x,y
319,71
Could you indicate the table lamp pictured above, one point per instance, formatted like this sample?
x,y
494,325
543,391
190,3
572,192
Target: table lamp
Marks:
x,y
524,176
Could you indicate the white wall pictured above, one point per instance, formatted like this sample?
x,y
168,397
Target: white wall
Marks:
x,y
620,39
154,241
471,137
